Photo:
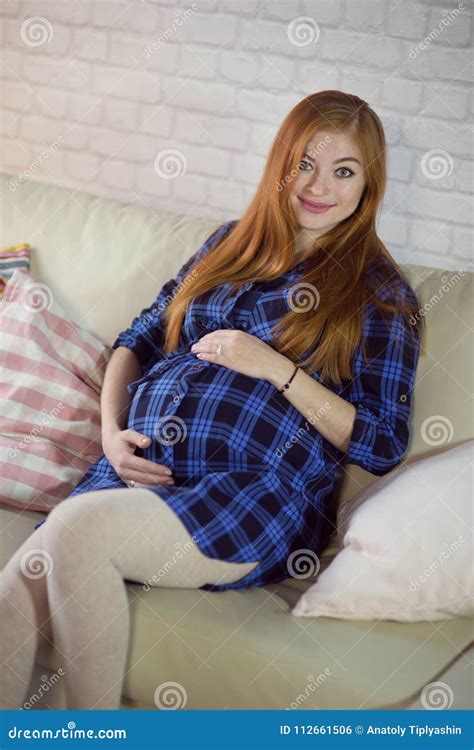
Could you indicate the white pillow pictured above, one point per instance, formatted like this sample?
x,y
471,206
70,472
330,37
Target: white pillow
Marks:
x,y
407,546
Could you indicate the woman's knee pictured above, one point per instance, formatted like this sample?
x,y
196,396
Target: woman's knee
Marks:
x,y
31,559
70,524
29,569
71,513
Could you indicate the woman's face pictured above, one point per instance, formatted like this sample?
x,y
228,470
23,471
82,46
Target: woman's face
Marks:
x,y
330,174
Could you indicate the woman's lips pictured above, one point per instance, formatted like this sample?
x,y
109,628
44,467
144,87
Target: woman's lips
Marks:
x,y
315,208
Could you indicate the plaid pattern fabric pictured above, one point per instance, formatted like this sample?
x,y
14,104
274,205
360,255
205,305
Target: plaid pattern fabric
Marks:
x,y
253,476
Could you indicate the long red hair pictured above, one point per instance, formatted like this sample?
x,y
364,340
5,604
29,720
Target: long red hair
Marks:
x,y
260,245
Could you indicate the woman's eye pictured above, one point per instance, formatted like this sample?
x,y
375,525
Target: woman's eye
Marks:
x,y
303,161
346,169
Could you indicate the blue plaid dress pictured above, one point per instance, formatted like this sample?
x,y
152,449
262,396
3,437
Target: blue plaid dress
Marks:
x,y
254,478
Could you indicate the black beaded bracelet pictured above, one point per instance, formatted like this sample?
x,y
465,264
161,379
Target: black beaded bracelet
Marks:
x,y
287,384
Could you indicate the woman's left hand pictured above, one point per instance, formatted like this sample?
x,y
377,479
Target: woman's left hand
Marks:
x,y
241,352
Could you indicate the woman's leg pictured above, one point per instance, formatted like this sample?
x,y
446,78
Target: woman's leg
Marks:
x,y
97,540
24,614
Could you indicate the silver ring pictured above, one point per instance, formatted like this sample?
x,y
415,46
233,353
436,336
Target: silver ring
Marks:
x,y
219,348
131,483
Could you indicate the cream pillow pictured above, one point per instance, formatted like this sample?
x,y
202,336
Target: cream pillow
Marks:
x,y
406,546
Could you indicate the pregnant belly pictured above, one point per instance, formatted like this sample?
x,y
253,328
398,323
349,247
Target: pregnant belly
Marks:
x,y
202,419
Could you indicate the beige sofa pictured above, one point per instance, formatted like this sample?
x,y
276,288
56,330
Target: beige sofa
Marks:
x,y
105,261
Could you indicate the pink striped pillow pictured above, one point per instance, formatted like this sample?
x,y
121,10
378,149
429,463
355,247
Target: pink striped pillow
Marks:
x,y
51,374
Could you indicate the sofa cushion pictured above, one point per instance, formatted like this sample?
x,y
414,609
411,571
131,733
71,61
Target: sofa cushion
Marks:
x,y
243,650
103,259
134,250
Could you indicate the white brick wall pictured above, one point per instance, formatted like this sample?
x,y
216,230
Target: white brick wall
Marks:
x,y
118,81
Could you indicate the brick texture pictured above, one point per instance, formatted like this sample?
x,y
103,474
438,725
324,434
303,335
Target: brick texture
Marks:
x,y
107,86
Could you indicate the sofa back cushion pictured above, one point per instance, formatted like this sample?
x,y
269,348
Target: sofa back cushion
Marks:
x,y
106,260
441,413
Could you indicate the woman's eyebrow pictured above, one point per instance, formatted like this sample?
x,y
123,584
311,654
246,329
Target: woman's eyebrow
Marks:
x,y
345,158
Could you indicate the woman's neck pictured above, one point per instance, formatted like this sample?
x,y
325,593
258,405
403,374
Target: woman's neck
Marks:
x,y
304,243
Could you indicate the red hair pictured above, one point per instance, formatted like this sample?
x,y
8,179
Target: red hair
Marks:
x,y
260,245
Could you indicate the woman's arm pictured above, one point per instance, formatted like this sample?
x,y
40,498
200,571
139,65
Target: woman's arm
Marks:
x,y
118,442
145,336
329,414
123,368
380,391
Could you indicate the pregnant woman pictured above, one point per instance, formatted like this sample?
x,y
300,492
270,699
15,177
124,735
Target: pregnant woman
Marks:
x,y
286,346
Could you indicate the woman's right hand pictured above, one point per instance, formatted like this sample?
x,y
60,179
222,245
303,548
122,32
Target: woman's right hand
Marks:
x,y
119,448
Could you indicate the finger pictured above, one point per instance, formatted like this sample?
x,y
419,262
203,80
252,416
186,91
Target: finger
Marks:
x,y
153,484
143,466
144,478
136,438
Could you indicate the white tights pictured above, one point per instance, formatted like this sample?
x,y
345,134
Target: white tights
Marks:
x,y
65,584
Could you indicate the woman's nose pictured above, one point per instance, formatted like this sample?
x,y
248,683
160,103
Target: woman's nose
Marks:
x,y
317,183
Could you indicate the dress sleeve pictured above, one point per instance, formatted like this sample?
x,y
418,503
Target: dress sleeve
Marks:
x,y
145,335
381,392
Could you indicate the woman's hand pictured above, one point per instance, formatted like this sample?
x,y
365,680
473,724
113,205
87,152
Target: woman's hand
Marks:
x,y
241,352
119,447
